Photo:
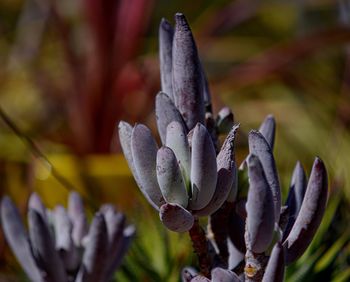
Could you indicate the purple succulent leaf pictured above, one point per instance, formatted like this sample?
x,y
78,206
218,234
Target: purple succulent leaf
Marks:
x,y
166,112
63,237
268,129
226,176
222,275
176,139
203,168
187,74
125,132
310,214
224,120
166,34
260,147
43,248
128,235
275,267
17,238
144,154
36,203
115,222
77,216
175,217
236,229
95,254
295,196
170,179
260,209
188,273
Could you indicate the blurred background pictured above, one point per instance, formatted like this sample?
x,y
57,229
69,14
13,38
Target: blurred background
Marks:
x,y
71,69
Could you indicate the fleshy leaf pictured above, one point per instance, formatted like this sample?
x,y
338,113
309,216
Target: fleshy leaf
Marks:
x,y
94,258
260,147
310,214
166,112
187,74
203,168
176,139
64,241
188,273
170,179
17,238
226,176
295,196
176,218
222,275
43,248
144,153
268,129
275,267
77,216
260,208
166,33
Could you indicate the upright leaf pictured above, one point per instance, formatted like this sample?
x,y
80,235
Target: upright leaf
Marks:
x,y
166,33
203,168
187,74
260,147
260,208
310,214
275,267
268,129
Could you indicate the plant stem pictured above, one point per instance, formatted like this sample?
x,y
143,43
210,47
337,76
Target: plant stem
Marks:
x,y
255,266
200,246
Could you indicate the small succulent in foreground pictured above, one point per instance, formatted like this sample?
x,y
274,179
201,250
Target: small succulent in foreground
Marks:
x,y
61,246
190,177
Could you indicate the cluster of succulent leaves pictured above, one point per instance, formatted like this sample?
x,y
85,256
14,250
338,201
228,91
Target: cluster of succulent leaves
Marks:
x,y
61,246
189,177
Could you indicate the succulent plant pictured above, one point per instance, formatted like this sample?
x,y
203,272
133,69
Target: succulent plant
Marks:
x,y
60,246
189,176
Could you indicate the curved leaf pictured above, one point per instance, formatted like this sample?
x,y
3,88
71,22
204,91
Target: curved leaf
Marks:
x,y
222,275
144,154
268,130
275,267
260,208
310,214
43,248
175,217
203,168
17,238
260,147
170,179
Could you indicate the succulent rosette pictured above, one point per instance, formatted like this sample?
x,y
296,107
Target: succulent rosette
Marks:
x,y
61,246
184,178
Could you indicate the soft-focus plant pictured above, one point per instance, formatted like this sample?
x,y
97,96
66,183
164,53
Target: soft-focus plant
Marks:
x,y
189,177
61,246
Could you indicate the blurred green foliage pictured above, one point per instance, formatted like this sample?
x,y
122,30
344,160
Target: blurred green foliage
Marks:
x,y
288,58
